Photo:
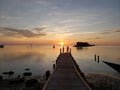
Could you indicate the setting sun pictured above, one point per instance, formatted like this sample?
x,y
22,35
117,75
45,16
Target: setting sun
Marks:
x,y
61,43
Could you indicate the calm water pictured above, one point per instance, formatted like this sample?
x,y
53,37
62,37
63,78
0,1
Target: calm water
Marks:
x,y
40,58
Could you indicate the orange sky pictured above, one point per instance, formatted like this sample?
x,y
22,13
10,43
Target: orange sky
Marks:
x,y
111,38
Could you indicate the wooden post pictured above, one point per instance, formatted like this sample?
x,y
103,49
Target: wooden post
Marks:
x,y
53,66
47,74
70,50
95,57
98,59
67,49
63,49
60,50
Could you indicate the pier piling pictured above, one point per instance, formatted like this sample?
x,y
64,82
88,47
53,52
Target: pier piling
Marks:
x,y
98,59
95,57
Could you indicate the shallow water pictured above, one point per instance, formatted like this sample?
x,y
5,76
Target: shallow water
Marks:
x,y
40,58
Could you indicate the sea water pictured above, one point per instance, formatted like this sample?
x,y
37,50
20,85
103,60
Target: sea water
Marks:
x,y
40,58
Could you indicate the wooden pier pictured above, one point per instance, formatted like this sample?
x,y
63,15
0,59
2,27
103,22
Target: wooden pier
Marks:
x,y
66,76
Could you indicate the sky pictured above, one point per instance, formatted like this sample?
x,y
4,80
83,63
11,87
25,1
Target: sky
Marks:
x,y
60,21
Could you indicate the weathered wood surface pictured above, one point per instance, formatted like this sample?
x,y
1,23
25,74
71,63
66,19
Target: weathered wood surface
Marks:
x,y
66,76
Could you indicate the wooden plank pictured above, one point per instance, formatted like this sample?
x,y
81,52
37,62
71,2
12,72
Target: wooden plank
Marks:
x,y
66,76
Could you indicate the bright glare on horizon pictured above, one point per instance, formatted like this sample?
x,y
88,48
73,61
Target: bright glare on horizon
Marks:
x,y
62,43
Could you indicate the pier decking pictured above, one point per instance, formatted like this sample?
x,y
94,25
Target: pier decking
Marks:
x,y
66,75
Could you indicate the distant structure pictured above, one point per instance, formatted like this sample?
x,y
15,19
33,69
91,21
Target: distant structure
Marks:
x,y
1,46
83,44
53,46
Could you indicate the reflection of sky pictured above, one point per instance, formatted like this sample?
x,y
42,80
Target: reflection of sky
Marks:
x,y
41,58
85,59
68,20
17,58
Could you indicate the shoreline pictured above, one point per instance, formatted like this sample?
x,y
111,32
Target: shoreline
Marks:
x,y
103,82
96,81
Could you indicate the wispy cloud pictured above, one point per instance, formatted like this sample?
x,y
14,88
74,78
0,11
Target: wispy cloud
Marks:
x,y
7,17
106,32
117,30
11,32
111,31
94,38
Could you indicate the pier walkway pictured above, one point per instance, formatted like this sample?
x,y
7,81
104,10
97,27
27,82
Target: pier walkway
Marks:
x,y
66,76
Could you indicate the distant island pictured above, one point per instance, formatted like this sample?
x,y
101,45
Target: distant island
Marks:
x,y
1,45
83,44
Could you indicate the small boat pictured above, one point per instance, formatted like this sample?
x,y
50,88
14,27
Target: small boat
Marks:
x,y
1,46
53,46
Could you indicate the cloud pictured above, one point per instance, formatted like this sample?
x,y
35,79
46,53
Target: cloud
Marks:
x,y
38,30
111,31
97,38
10,17
94,38
117,30
11,32
106,32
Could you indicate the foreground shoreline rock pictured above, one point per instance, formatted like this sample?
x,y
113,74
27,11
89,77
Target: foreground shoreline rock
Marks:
x,y
103,82
96,81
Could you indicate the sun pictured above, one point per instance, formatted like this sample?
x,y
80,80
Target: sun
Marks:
x,y
61,43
